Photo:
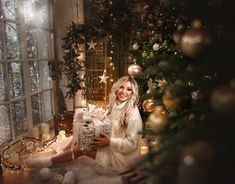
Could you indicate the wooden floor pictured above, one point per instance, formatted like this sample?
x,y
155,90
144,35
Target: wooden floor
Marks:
x,y
31,176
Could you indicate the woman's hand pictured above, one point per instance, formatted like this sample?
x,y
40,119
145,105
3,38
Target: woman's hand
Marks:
x,y
101,141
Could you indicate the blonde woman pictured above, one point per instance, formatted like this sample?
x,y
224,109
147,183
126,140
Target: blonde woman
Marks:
x,y
120,149
124,143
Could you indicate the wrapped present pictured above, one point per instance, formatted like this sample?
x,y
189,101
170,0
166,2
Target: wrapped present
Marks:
x,y
88,124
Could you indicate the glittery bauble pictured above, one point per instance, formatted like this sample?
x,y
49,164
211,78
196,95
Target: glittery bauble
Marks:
x,y
134,70
136,46
144,54
223,99
156,47
148,105
194,42
158,119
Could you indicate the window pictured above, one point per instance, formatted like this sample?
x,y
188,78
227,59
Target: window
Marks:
x,y
26,46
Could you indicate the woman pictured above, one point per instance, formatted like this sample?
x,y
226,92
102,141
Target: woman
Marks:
x,y
118,151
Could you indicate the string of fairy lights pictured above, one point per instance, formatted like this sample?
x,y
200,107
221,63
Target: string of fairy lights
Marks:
x,y
13,156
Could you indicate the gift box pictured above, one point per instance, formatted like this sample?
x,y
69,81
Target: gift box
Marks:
x,y
89,123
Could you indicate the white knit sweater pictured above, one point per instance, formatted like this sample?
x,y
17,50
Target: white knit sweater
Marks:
x,y
124,147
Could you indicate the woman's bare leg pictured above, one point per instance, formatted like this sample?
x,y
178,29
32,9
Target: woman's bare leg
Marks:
x,y
71,154
68,146
62,157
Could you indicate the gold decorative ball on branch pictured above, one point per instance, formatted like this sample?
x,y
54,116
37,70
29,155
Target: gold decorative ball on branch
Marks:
x,y
149,105
223,99
195,41
177,36
200,151
158,119
134,70
173,104
175,97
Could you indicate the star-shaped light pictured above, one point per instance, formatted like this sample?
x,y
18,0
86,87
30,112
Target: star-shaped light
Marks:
x,y
103,78
91,44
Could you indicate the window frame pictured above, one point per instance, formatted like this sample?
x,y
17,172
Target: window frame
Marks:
x,y
24,60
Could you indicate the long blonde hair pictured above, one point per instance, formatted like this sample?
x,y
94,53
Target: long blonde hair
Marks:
x,y
130,104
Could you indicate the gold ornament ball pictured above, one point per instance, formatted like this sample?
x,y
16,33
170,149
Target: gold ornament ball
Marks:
x,y
144,54
223,99
197,23
173,103
158,119
148,105
175,97
194,42
134,70
200,150
177,36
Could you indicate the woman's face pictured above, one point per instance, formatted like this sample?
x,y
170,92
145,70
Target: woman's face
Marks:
x,y
124,92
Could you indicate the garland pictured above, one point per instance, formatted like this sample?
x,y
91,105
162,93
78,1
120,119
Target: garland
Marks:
x,y
13,156
105,19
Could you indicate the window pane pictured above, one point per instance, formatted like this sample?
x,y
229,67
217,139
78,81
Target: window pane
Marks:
x,y
36,109
32,43
46,79
34,75
42,7
19,117
36,12
1,43
3,90
5,128
10,9
15,76
47,104
44,37
12,41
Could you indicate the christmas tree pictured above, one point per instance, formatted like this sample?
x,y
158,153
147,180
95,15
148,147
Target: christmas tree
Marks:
x,y
180,53
183,49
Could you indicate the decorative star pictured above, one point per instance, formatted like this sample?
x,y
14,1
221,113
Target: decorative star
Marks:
x,y
103,78
91,44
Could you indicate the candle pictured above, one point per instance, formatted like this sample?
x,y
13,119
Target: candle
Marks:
x,y
144,148
35,132
45,128
61,135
